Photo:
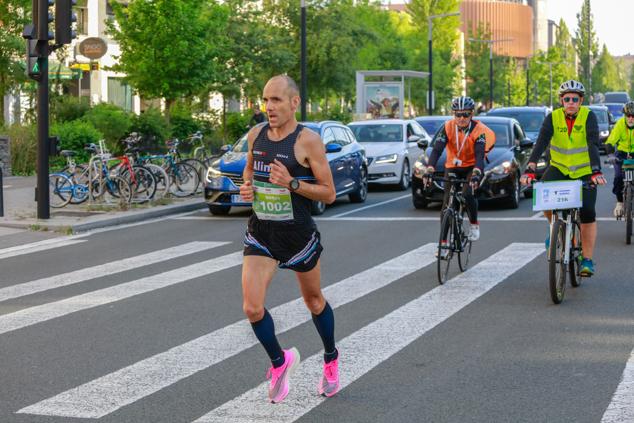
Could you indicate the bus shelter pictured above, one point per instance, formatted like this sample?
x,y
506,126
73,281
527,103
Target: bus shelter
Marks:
x,y
381,94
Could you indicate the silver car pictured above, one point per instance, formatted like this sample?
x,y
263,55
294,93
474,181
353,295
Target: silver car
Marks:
x,y
391,147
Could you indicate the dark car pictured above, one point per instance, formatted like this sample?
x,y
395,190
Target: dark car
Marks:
x,y
529,117
345,156
432,123
616,97
615,108
605,121
503,167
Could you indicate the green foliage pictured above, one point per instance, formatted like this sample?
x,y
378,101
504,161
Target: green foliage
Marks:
x,y
23,139
153,128
169,48
74,135
113,122
607,75
237,125
477,64
540,69
586,43
182,123
66,108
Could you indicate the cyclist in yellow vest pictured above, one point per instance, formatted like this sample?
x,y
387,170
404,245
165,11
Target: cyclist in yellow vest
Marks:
x,y
621,139
572,132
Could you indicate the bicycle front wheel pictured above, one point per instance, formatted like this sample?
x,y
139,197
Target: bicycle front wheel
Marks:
x,y
184,179
575,255
445,245
60,190
556,267
628,213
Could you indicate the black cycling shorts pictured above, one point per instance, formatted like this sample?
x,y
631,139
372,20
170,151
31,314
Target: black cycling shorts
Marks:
x,y
295,247
588,213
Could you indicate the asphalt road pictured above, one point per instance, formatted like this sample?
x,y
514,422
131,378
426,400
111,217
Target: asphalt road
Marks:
x,y
144,324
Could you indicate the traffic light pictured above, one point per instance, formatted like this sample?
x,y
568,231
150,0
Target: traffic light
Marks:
x,y
44,17
32,64
64,18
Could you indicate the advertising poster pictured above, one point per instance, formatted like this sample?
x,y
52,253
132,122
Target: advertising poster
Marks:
x,y
382,100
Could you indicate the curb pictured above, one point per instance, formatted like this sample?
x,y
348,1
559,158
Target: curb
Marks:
x,y
124,218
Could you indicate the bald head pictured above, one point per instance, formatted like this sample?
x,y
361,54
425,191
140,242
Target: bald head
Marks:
x,y
290,86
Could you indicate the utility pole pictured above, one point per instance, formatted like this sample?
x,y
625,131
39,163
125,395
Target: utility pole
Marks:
x,y
430,95
303,83
37,35
589,59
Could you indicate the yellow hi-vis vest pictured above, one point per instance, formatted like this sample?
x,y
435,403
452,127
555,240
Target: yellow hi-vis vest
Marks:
x,y
570,154
621,137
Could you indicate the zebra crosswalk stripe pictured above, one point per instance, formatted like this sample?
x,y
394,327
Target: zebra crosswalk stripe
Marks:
x,y
108,393
621,408
106,269
35,247
370,346
33,315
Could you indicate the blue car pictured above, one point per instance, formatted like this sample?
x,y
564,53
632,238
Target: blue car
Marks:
x,y
345,155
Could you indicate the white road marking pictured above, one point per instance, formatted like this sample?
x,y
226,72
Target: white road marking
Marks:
x,y
105,269
621,408
131,225
538,215
373,205
109,393
34,247
370,346
6,186
33,315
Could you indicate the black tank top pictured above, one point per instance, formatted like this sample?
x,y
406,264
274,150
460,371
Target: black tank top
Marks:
x,y
264,152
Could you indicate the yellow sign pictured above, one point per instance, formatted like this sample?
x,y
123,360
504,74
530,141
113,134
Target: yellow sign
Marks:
x,y
82,66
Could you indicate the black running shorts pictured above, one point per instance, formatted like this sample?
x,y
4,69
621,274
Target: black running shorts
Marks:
x,y
295,247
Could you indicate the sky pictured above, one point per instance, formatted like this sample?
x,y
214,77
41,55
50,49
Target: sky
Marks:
x,y
612,21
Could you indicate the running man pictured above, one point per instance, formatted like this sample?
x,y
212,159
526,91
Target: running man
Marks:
x,y
286,169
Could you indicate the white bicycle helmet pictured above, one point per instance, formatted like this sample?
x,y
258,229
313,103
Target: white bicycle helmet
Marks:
x,y
572,86
462,103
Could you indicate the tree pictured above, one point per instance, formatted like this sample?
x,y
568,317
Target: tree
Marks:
x,y
13,15
477,63
565,46
444,39
607,76
169,48
586,43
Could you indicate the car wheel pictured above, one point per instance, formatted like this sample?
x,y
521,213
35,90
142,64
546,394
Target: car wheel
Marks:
x,y
528,193
405,177
419,203
317,208
514,198
361,194
219,210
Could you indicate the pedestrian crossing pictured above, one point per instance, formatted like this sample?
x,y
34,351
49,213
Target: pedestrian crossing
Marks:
x,y
363,349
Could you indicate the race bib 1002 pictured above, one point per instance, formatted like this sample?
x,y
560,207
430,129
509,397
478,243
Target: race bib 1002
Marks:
x,y
557,195
272,202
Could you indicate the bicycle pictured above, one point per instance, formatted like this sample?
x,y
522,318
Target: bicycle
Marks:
x,y
453,231
628,191
565,249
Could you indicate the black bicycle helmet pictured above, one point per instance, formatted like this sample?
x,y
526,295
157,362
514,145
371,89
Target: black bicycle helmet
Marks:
x,y
462,103
628,108
572,86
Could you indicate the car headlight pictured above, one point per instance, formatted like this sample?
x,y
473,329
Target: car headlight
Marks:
x,y
501,168
390,158
419,168
212,174
604,133
541,163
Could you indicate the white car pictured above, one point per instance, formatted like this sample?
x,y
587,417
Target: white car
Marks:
x,y
391,147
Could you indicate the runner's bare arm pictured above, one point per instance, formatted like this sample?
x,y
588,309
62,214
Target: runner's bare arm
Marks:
x,y
312,149
246,189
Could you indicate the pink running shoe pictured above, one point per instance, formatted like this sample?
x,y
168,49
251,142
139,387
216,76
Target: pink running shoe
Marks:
x,y
329,384
278,389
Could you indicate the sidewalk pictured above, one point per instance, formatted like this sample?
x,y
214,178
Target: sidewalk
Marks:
x,y
20,210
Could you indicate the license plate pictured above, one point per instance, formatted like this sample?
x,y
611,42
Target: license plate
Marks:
x,y
235,198
629,176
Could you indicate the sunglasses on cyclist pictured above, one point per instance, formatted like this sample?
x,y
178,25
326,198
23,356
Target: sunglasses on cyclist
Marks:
x,y
462,114
573,99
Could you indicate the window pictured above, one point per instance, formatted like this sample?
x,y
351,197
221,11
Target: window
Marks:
x,y
350,135
82,21
519,134
340,136
119,93
328,136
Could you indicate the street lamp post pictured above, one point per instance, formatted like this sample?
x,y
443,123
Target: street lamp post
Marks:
x,y
490,42
430,97
550,69
303,85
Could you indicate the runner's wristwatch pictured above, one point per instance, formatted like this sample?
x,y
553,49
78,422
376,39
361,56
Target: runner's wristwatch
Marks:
x,y
294,184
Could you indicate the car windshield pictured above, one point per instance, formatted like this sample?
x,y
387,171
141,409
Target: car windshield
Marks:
x,y
601,114
378,132
530,121
431,126
242,146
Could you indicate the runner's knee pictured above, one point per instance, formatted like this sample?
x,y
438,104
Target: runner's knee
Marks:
x,y
314,302
254,312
